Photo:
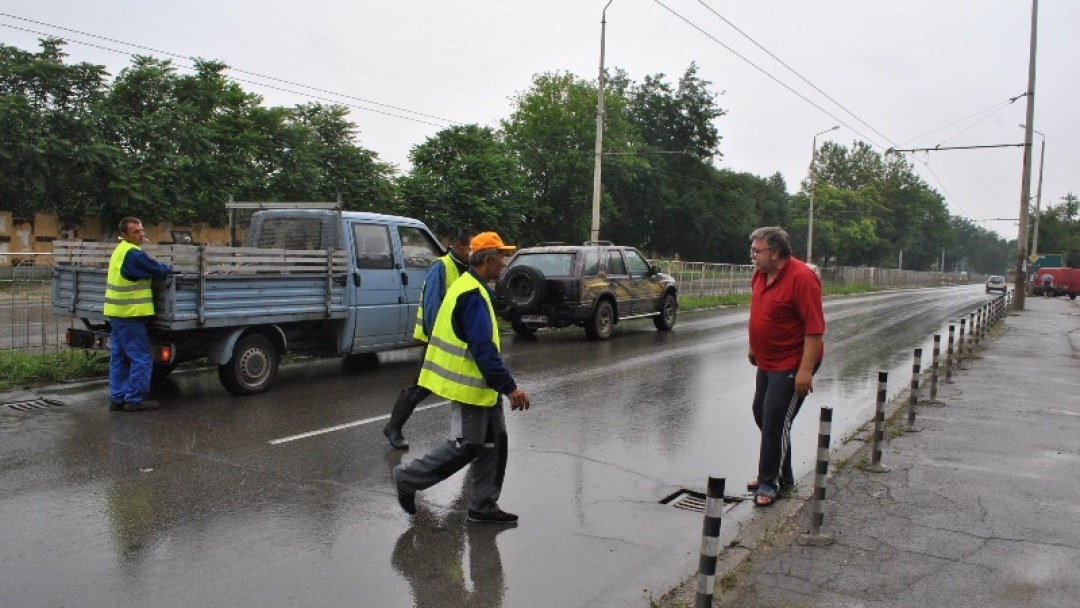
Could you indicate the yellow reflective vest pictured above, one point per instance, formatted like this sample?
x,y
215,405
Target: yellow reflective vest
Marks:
x,y
124,298
449,370
450,274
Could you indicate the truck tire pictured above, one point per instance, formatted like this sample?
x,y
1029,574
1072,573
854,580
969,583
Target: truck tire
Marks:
x,y
665,320
253,366
601,322
360,362
525,287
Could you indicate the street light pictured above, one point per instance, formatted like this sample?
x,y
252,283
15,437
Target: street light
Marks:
x,y
1038,191
810,230
595,233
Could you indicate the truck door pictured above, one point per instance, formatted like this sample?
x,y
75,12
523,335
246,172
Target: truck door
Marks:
x,y
378,297
418,249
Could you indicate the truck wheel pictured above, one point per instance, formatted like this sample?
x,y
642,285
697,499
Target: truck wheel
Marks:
x,y
665,320
354,364
602,321
253,366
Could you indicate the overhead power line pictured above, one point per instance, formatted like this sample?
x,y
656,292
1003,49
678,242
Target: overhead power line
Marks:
x,y
236,70
767,74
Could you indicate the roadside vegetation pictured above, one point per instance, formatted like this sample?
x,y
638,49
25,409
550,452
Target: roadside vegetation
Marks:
x,y
21,369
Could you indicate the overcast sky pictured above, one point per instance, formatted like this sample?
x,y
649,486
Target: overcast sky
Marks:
x,y
908,68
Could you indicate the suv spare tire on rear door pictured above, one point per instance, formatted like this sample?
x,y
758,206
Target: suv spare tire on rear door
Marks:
x,y
524,287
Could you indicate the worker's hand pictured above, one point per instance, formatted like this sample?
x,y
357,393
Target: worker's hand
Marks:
x,y
751,357
518,400
804,383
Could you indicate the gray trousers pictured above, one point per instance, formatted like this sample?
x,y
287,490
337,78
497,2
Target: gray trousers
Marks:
x,y
477,436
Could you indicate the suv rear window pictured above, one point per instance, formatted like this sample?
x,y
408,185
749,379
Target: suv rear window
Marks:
x,y
551,264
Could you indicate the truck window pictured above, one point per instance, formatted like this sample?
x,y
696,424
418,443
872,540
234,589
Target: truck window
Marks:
x,y
372,242
419,249
290,233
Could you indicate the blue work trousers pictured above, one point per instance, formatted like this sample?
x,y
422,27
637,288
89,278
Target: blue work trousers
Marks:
x,y
131,362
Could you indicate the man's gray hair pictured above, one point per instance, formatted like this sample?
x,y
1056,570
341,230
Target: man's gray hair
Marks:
x,y
477,258
775,237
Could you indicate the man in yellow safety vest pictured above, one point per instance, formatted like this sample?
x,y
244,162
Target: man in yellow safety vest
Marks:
x,y
129,304
462,363
440,276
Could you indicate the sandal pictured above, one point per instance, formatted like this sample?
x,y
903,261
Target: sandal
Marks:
x,y
765,497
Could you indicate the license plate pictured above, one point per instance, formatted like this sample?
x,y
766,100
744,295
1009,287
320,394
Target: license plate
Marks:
x,y
533,318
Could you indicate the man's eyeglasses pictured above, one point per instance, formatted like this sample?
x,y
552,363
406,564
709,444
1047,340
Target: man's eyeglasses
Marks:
x,y
754,252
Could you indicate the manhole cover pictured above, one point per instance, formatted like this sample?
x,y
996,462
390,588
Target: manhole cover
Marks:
x,y
690,500
40,403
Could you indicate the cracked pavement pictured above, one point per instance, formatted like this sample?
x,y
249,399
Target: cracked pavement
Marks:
x,y
979,507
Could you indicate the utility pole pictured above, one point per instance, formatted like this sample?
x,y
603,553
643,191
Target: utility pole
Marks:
x,y
595,232
1038,197
1025,182
813,187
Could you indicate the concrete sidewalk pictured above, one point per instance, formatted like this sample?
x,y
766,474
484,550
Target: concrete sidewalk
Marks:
x,y
980,507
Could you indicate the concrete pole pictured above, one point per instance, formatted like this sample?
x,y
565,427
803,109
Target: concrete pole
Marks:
x,y
1025,181
595,233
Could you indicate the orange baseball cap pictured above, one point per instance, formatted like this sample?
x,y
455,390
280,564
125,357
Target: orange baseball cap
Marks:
x,y
488,240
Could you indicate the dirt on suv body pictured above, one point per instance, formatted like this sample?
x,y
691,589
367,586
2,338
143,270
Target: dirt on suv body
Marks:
x,y
594,286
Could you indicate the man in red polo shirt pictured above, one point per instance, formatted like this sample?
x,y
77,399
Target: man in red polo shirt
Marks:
x,y
786,329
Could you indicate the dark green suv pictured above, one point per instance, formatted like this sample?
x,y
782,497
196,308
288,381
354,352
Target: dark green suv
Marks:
x,y
594,285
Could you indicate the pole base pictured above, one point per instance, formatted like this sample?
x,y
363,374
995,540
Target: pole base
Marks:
x,y
815,540
878,468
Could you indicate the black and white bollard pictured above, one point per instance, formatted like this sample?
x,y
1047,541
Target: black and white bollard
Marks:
x,y
913,399
879,424
710,542
934,370
960,345
971,343
949,354
814,537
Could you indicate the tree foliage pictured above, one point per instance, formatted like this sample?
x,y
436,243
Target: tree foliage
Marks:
x,y
172,145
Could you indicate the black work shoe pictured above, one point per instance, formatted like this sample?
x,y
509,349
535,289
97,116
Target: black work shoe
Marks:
x,y
116,406
498,517
397,440
141,406
407,500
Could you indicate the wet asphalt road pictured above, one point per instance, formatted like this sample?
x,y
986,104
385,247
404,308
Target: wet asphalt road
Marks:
x,y
285,498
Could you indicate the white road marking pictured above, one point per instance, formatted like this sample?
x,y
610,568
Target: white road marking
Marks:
x,y
347,425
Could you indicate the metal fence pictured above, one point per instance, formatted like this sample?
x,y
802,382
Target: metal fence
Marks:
x,y
26,318
706,279
27,321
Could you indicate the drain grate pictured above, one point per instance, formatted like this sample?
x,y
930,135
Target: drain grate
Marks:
x,y
690,500
32,405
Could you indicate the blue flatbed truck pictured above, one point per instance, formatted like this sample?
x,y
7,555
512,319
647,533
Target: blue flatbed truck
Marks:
x,y
307,280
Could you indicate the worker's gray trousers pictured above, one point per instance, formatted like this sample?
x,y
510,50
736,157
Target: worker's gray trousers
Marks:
x,y
477,435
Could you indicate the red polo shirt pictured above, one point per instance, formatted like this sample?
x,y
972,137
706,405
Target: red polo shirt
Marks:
x,y
783,314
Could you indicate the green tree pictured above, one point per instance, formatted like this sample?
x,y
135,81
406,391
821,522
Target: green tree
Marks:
x,y
466,176
52,154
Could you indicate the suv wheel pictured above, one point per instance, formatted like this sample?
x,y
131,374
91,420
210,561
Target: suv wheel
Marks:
x,y
522,329
665,320
524,287
601,322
